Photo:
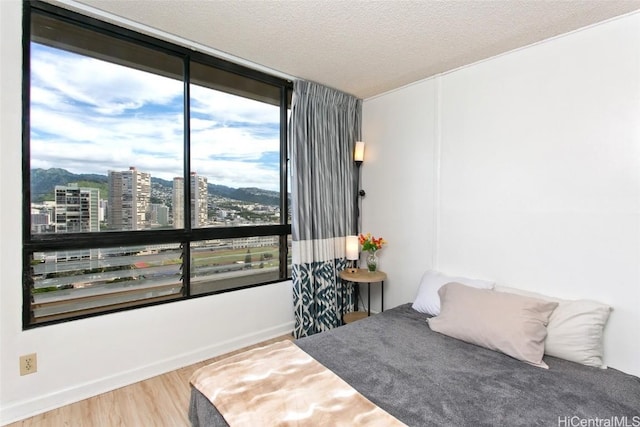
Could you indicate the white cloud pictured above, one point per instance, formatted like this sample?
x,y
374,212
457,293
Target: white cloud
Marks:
x,y
90,116
240,174
104,87
230,142
231,108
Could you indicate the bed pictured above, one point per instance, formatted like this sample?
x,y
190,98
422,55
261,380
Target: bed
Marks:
x,y
424,378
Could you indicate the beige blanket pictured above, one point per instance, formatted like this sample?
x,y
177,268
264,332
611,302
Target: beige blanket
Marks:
x,y
282,385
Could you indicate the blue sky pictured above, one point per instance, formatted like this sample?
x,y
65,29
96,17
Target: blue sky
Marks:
x,y
91,116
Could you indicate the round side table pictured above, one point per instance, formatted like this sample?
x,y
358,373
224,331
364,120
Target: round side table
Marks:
x,y
363,276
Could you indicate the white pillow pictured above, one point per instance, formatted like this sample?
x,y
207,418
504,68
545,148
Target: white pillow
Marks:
x,y
575,329
427,301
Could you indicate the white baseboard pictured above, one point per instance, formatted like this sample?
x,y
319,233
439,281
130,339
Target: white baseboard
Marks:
x,y
39,404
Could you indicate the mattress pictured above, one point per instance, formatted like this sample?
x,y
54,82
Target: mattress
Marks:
x,y
425,378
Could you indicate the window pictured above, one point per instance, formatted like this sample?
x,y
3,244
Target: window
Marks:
x,y
152,173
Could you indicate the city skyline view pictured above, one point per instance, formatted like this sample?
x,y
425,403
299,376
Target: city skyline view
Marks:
x,y
129,201
117,213
109,117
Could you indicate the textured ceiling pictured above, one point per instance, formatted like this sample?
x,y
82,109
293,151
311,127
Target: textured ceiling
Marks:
x,y
361,47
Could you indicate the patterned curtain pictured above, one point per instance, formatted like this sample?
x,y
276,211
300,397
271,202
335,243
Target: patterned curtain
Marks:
x,y
324,126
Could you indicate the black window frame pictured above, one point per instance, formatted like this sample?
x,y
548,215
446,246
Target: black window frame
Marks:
x,y
33,242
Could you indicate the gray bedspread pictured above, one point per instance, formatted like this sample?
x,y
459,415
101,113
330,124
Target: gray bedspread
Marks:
x,y
424,378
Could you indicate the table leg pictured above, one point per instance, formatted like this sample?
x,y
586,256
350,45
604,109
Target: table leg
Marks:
x,y
369,299
356,295
342,290
382,295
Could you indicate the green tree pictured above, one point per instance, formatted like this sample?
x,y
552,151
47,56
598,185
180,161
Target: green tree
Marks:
x,y
247,258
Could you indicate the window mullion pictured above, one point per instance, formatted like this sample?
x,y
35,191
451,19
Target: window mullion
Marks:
x,y
186,259
284,195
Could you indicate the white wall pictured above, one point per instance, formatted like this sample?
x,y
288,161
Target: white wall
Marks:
x,y
398,172
82,358
537,161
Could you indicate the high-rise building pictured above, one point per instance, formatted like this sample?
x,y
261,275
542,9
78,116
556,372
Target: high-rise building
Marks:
x,y
43,217
177,201
102,209
159,214
76,209
129,200
199,200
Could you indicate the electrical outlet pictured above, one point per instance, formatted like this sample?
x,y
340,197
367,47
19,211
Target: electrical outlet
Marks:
x,y
28,364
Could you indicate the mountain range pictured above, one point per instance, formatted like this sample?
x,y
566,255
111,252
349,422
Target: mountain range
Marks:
x,y
43,182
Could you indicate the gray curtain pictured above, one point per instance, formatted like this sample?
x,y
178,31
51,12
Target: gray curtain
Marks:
x,y
324,126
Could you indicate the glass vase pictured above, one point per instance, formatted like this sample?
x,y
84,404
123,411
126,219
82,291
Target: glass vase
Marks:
x,y
372,262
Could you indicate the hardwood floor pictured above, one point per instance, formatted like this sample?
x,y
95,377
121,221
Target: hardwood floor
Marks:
x,y
158,401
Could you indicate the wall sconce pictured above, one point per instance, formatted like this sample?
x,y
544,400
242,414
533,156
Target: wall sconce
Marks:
x,y
358,153
358,158
353,254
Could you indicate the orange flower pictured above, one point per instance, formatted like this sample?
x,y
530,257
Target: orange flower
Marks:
x,y
371,243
